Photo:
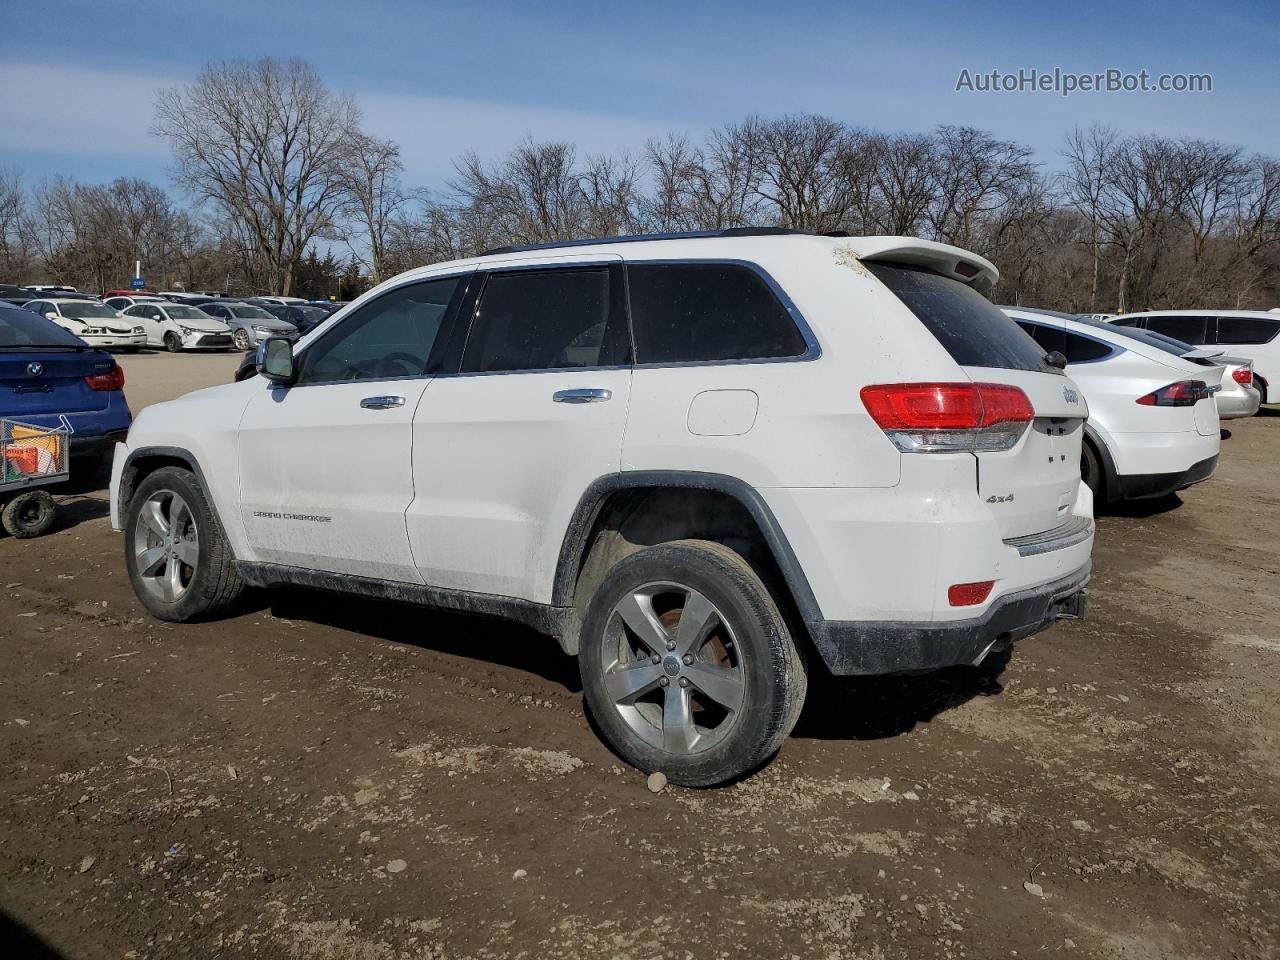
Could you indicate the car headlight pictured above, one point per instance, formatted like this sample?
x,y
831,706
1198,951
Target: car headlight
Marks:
x,y
138,330
265,331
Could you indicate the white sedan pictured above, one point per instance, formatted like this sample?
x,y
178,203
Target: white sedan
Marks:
x,y
95,323
178,326
1153,426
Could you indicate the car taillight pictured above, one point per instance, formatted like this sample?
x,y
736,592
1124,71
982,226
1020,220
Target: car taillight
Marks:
x,y
1184,393
1242,375
113,379
946,417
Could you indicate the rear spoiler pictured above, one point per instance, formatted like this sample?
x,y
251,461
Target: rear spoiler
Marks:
x,y
978,272
1201,354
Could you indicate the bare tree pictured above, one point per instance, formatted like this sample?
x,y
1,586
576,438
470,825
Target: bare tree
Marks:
x,y
265,143
374,199
16,243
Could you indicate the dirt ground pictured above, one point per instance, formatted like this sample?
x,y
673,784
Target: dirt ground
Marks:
x,y
338,779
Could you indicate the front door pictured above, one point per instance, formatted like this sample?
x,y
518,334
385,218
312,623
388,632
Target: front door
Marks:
x,y
325,464
504,448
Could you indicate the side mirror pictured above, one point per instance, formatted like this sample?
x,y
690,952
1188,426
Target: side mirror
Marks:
x,y
275,360
1054,358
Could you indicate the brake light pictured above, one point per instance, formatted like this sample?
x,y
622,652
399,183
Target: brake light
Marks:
x,y
1242,375
946,417
1184,393
969,594
113,379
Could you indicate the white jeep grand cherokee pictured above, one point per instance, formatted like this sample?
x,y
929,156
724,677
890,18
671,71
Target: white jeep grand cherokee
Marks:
x,y
698,461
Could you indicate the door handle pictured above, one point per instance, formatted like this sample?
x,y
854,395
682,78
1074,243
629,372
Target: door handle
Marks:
x,y
582,395
381,403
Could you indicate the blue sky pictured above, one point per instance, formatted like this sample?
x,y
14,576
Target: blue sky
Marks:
x,y
78,77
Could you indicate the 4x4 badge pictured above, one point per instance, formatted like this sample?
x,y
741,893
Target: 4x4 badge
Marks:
x,y
1070,395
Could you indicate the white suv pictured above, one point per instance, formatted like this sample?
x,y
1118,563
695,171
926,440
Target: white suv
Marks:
x,y
695,460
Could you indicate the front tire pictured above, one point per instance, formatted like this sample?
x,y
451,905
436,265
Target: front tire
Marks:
x,y
688,666
172,342
180,566
241,341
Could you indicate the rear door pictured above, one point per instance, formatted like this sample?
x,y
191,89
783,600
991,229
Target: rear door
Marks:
x,y
1031,487
504,447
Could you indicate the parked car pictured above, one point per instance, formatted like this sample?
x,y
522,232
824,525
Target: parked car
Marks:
x,y
249,324
303,316
130,293
1243,333
48,373
51,289
281,301
95,323
15,296
1153,421
179,326
123,301
178,296
836,445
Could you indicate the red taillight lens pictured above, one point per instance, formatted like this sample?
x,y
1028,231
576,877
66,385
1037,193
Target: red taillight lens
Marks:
x,y
113,379
968,594
1184,393
942,417
1242,375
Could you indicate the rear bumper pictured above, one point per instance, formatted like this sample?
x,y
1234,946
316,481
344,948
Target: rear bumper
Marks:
x,y
871,648
1141,486
97,447
1242,403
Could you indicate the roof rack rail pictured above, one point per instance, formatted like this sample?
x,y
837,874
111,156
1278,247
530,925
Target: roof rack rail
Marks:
x,y
633,238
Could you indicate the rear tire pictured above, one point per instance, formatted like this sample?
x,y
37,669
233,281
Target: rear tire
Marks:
x,y
704,701
179,564
1091,473
29,514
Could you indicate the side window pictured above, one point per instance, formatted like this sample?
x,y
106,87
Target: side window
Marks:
x,y
545,320
1127,322
1188,329
1049,337
1078,349
682,312
390,337
132,311
1247,330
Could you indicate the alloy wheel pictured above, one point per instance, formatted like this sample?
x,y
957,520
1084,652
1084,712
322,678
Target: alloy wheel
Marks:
x,y
672,667
166,545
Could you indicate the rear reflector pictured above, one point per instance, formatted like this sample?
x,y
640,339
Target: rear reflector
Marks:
x,y
969,594
113,379
1242,375
946,417
1184,393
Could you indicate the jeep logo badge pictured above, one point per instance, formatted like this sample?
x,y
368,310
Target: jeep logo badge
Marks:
x,y
1070,395
35,368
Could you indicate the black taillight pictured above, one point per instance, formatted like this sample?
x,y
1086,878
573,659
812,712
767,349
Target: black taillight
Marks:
x,y
1184,393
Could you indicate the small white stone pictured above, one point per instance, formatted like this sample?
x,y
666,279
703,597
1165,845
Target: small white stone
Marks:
x,y
397,866
656,781
519,875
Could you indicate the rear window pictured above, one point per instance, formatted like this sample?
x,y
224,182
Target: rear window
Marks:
x,y
968,325
1246,330
704,312
22,328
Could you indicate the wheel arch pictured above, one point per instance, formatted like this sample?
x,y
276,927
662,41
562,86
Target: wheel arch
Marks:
x,y
615,503
147,460
1110,478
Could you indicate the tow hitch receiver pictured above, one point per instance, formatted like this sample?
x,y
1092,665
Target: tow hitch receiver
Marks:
x,y
1074,607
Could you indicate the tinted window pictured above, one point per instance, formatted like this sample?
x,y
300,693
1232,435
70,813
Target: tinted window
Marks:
x,y
543,320
1050,338
389,337
22,328
1190,329
705,312
968,325
1127,322
249,312
1246,329
1080,349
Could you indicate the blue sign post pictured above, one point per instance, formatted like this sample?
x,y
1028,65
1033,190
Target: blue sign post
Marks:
x,y
138,283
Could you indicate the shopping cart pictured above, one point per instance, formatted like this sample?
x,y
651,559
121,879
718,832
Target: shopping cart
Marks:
x,y
31,457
